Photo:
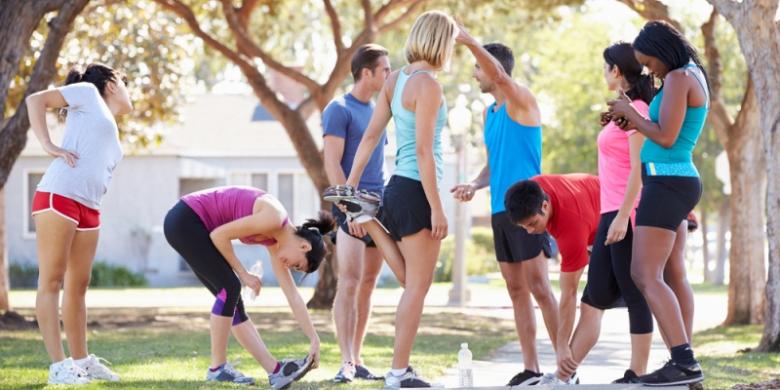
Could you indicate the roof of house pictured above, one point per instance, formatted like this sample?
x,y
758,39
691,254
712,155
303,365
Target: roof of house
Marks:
x,y
216,125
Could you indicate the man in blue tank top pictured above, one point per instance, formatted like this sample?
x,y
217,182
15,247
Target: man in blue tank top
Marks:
x,y
344,121
513,137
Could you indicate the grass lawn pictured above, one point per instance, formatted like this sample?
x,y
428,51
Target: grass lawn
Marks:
x,y
169,349
724,366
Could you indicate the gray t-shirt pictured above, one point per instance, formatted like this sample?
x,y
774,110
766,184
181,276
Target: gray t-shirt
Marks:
x,y
91,132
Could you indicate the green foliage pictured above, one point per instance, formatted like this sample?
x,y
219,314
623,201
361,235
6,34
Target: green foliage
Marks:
x,y
108,275
103,275
23,275
137,38
480,255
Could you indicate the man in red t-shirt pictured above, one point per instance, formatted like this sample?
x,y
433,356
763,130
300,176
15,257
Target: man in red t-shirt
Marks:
x,y
567,207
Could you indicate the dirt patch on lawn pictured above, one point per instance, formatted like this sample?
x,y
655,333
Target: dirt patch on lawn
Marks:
x,y
770,385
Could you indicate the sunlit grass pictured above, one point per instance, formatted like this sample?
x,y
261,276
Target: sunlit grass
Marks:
x,y
172,351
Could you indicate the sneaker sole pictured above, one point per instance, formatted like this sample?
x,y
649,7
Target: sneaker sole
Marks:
x,y
297,377
689,381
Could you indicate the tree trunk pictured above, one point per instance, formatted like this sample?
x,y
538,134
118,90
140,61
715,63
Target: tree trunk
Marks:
x,y
325,292
13,135
13,131
724,220
759,40
18,20
705,245
5,303
746,257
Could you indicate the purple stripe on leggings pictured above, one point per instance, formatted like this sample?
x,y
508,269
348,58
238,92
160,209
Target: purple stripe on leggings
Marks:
x,y
237,318
219,304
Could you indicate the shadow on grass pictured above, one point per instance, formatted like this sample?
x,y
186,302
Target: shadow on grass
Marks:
x,y
727,361
172,350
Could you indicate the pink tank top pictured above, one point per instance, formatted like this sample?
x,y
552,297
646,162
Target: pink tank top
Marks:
x,y
220,205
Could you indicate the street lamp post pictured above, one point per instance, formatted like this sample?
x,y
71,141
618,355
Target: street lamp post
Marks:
x,y
459,120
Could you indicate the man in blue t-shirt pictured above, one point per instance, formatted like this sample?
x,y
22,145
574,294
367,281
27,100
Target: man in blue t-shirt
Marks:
x,y
513,137
344,121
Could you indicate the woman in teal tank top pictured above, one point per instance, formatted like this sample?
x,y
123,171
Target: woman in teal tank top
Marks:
x,y
412,209
671,189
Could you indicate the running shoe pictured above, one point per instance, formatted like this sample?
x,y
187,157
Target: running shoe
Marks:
x,y
672,374
362,372
228,373
95,369
408,379
628,377
525,378
289,372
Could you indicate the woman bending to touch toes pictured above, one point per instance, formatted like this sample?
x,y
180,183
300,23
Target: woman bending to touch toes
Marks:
x,y
201,226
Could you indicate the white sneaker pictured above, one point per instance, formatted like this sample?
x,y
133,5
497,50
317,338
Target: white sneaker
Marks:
x,y
95,369
67,373
552,379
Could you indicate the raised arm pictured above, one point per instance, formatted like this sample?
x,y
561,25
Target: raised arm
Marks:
x,y
373,133
37,104
521,103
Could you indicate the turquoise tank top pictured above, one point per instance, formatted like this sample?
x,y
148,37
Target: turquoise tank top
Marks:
x,y
514,153
405,131
678,159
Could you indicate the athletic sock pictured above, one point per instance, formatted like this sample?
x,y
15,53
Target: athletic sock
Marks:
x,y
683,355
278,367
398,371
213,369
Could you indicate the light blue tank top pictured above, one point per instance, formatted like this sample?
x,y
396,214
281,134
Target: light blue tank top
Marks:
x,y
514,153
677,160
405,131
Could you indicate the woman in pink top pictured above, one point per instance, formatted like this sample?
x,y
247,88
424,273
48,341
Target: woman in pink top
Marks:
x,y
201,227
609,274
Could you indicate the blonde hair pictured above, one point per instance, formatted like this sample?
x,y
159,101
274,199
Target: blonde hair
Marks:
x,y
432,39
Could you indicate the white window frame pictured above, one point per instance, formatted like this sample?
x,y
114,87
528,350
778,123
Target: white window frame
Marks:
x,y
294,173
26,233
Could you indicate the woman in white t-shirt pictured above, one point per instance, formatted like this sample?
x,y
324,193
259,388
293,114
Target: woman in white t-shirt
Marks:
x,y
66,209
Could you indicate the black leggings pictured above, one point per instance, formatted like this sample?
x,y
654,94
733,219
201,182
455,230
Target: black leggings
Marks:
x,y
187,234
609,278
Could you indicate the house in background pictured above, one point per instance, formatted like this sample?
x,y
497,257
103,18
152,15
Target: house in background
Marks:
x,y
225,139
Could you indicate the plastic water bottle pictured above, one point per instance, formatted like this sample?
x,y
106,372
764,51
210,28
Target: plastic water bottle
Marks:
x,y
465,374
247,293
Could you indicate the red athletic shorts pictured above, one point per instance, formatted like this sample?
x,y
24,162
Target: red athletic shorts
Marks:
x,y
84,217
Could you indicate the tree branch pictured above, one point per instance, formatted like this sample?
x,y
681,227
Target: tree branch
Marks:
x,y
712,53
185,12
394,23
719,117
368,19
249,48
727,8
748,111
652,10
245,11
335,25
13,136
